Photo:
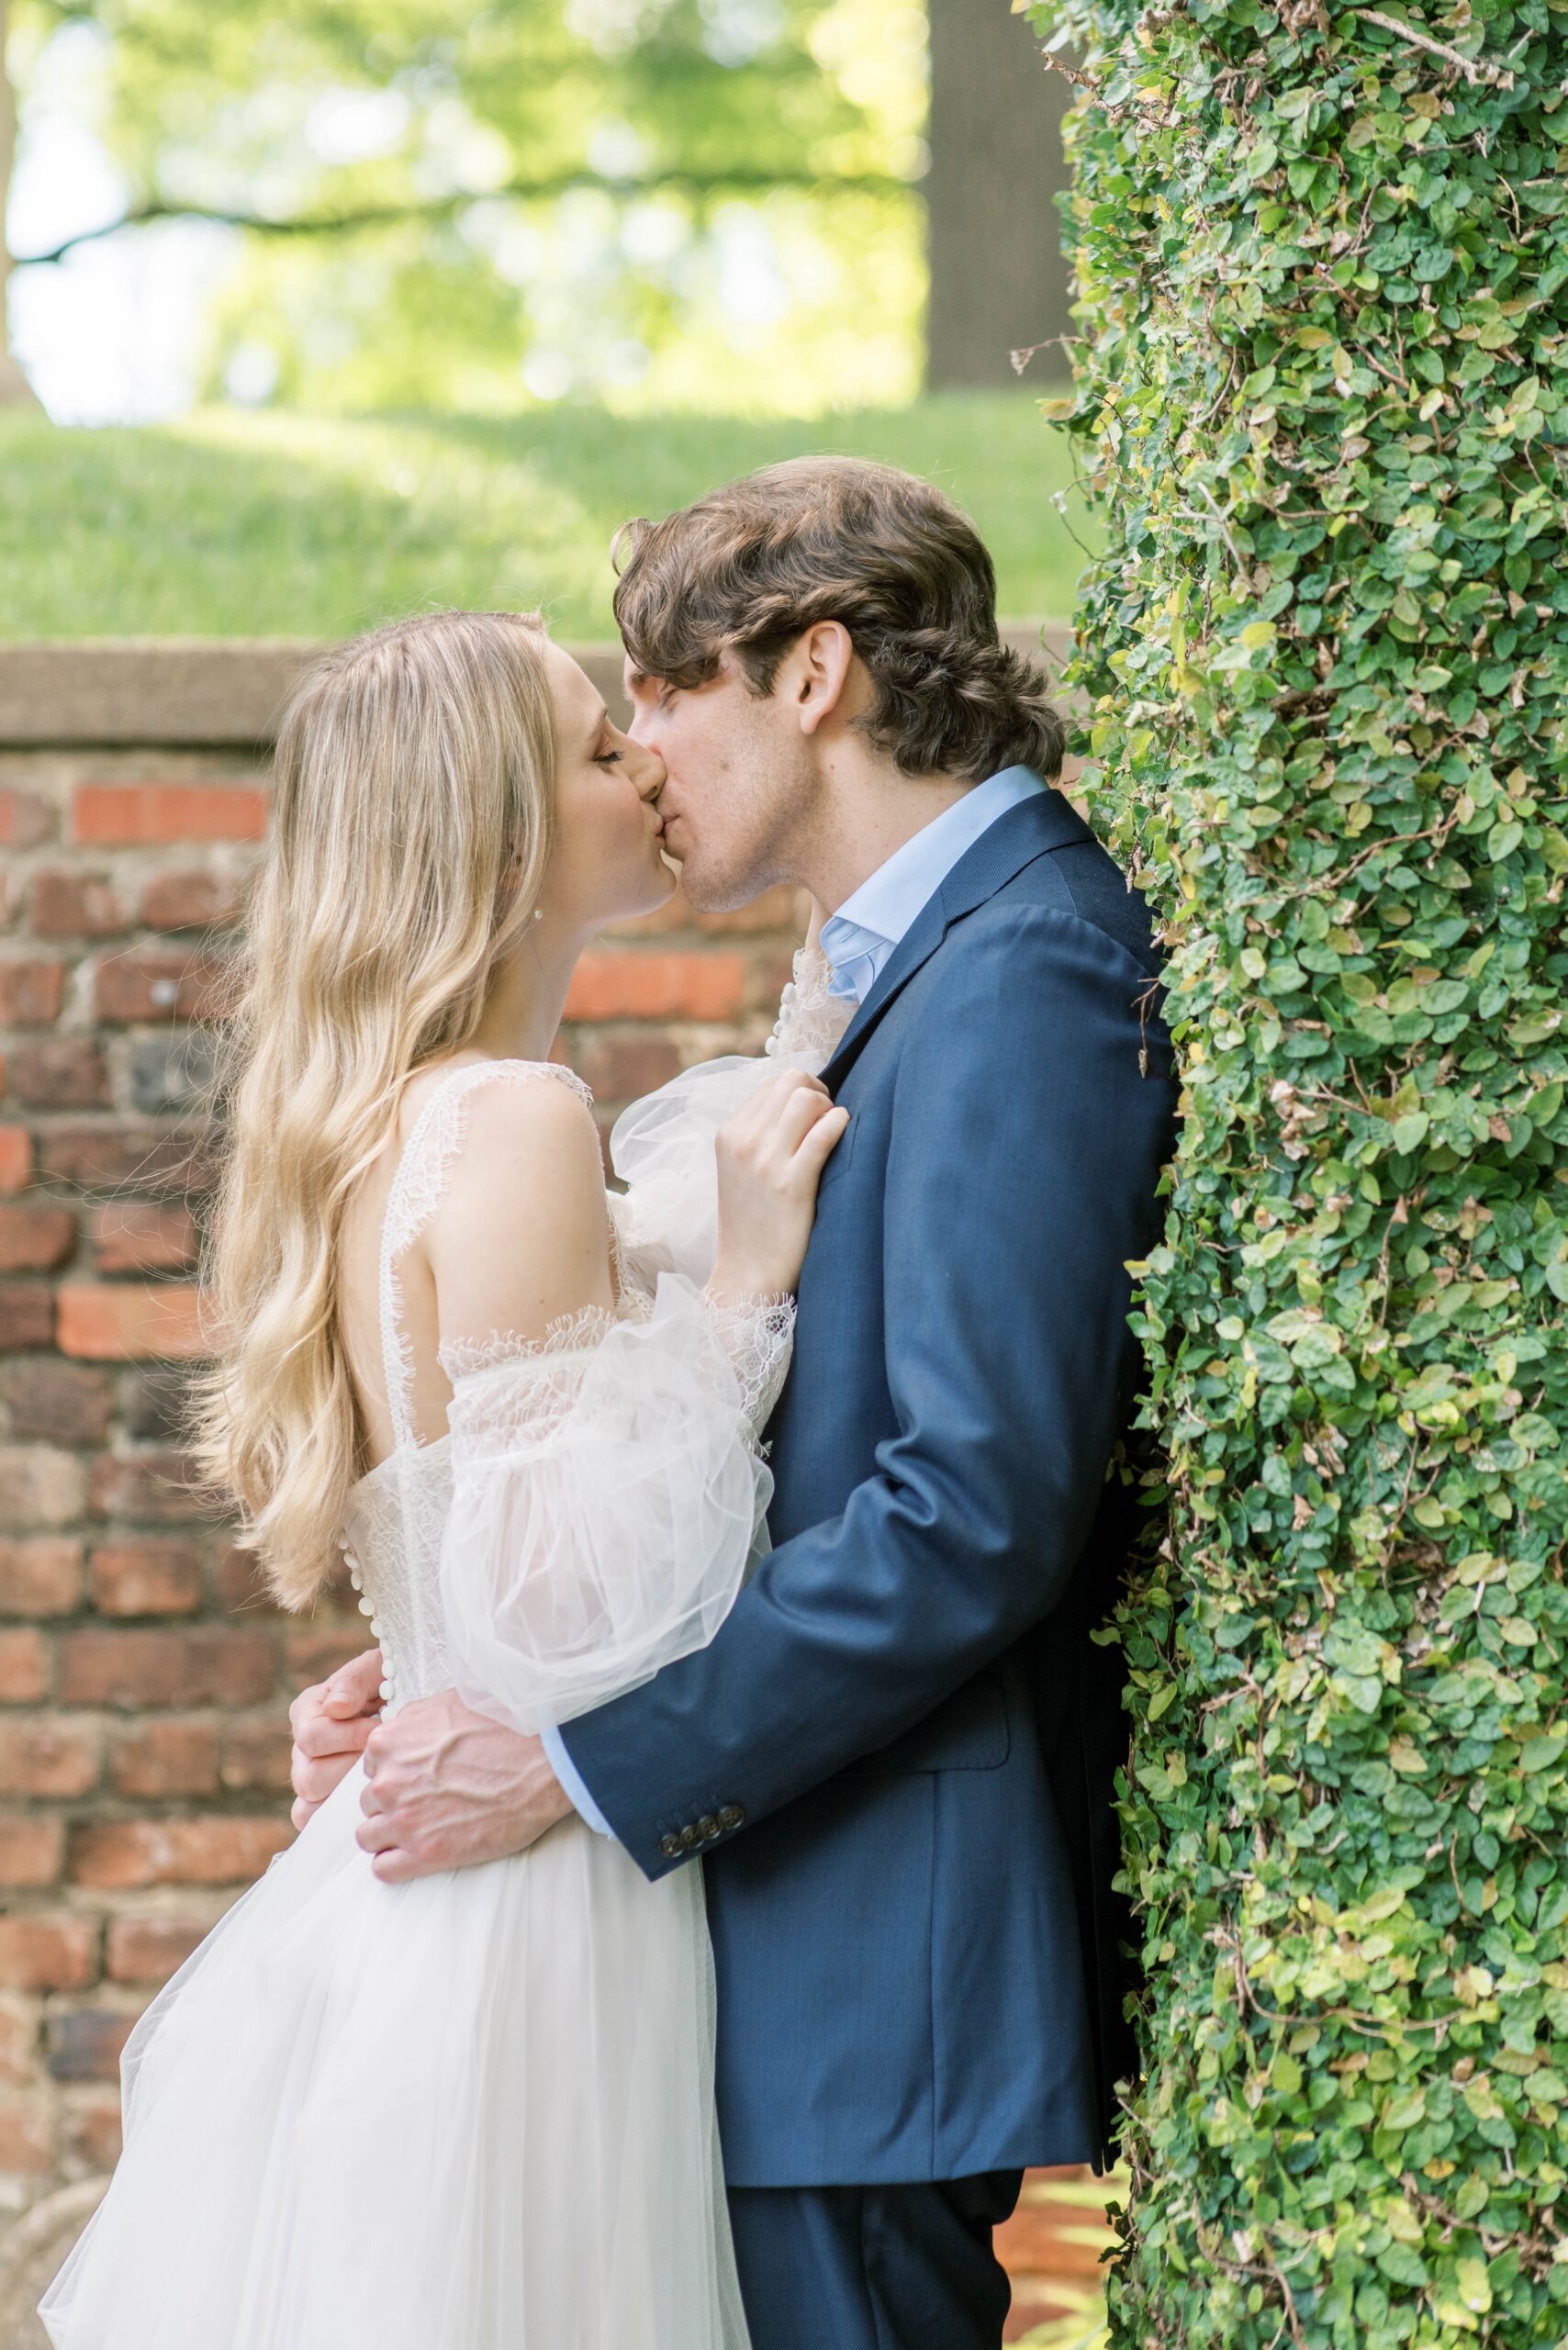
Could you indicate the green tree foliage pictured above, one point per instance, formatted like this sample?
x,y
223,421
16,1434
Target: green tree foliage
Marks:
x,y
1324,398
687,197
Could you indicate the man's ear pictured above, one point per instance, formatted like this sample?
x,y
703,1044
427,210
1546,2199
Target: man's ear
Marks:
x,y
817,673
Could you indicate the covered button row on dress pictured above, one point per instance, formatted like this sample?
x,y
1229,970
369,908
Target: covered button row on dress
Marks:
x,y
368,1609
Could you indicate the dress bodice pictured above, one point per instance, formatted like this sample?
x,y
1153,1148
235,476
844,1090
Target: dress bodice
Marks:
x,y
396,1514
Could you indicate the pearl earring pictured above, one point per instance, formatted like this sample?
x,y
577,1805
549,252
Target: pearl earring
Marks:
x,y
538,913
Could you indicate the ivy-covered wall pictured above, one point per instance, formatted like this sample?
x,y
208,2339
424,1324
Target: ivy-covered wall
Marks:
x,y
1322,395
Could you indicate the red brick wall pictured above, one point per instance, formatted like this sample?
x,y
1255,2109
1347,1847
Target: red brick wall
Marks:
x,y
144,1680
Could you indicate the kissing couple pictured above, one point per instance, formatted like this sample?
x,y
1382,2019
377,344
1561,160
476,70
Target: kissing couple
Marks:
x,y
703,1907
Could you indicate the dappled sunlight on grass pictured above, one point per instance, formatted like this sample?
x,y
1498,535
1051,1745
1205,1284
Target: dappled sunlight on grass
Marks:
x,y
277,523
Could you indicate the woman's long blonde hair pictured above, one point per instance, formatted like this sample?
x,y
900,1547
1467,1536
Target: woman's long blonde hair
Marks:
x,y
410,823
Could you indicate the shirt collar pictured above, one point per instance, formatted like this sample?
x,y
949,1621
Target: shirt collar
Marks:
x,y
858,938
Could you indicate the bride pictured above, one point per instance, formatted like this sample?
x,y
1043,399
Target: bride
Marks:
x,y
468,2111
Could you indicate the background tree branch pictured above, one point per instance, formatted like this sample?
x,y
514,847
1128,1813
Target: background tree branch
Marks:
x,y
443,207
14,389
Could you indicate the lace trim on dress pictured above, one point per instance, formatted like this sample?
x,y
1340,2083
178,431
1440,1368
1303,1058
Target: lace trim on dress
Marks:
x,y
628,1293
811,1019
757,1336
544,1378
567,1334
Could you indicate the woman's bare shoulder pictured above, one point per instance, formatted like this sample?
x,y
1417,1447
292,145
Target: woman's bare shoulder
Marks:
x,y
529,1107
521,1235
511,1078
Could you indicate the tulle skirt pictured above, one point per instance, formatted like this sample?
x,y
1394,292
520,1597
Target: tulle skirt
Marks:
x,y
471,2112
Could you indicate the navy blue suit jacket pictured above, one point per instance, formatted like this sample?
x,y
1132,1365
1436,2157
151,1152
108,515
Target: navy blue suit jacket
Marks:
x,y
896,1757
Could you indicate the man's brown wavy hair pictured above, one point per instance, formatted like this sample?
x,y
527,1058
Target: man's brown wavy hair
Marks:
x,y
747,569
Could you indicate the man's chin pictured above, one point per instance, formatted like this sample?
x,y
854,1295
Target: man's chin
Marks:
x,y
707,885
708,892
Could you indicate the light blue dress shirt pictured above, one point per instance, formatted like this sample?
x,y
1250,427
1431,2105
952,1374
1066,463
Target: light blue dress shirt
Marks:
x,y
857,941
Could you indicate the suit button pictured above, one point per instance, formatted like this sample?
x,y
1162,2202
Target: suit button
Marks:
x,y
671,1847
731,1815
687,1837
707,1827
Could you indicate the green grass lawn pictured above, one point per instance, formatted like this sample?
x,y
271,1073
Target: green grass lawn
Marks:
x,y
234,523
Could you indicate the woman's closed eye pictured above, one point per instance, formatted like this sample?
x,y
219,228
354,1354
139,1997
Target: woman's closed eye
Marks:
x,y
607,758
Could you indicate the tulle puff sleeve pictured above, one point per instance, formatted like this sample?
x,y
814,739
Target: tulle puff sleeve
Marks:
x,y
608,1492
661,1147
608,1498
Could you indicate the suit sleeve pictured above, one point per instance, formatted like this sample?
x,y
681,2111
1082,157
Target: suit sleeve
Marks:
x,y
1021,1172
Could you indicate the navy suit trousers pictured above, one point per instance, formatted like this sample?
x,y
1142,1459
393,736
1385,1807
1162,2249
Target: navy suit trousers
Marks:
x,y
874,2268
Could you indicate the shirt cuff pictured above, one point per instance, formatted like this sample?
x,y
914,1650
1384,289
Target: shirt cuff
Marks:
x,y
566,1771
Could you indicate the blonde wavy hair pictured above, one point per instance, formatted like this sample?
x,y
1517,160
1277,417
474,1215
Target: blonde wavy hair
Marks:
x,y
410,824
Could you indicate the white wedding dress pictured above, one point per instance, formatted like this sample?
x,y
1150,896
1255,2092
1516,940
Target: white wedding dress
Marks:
x,y
476,2111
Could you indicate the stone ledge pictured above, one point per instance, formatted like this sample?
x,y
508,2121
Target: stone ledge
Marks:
x,y
219,691
121,691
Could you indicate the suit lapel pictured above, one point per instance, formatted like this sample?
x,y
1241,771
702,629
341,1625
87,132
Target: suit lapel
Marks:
x,y
1033,829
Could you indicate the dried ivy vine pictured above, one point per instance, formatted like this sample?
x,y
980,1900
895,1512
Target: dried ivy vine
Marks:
x,y
1322,399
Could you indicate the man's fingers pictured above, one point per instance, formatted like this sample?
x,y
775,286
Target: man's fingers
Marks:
x,y
355,1687
302,1811
341,1705
376,1834
320,1737
306,1701
315,1781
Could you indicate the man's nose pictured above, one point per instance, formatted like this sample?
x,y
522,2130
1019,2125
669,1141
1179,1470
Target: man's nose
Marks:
x,y
651,775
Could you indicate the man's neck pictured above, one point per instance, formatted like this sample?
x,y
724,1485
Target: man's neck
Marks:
x,y
865,821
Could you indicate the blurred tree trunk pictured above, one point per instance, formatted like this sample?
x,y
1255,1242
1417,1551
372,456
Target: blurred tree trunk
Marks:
x,y
14,389
996,165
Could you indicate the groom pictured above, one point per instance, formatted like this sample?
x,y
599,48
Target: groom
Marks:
x,y
895,1760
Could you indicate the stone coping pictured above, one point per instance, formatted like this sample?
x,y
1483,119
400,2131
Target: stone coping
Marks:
x,y
223,691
